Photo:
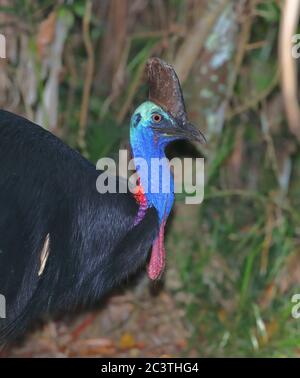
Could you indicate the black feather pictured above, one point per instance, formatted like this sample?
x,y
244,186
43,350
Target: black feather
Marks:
x,y
48,188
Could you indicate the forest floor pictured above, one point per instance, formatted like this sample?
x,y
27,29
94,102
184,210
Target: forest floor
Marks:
x,y
132,324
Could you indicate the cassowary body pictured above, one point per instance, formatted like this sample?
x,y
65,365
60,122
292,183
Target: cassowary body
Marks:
x,y
46,188
62,243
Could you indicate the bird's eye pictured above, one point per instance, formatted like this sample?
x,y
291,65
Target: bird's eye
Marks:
x,y
156,117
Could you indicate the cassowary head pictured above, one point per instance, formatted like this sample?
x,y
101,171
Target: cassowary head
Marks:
x,y
163,117
154,124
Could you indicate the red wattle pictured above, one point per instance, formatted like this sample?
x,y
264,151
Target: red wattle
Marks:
x,y
157,260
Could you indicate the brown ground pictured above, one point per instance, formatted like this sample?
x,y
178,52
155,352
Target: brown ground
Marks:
x,y
134,324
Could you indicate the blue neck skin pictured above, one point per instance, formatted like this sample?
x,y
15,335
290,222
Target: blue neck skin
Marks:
x,y
145,144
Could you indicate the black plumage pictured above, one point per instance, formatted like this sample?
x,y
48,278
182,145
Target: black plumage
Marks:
x,y
62,243
48,190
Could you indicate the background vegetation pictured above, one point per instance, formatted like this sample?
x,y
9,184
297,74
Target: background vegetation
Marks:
x,y
76,67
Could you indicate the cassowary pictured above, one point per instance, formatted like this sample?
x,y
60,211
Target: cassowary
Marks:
x,y
64,244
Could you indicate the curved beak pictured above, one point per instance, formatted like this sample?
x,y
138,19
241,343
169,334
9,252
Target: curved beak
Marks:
x,y
185,131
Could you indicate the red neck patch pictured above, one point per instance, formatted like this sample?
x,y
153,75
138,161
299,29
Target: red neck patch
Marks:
x,y
140,197
139,194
